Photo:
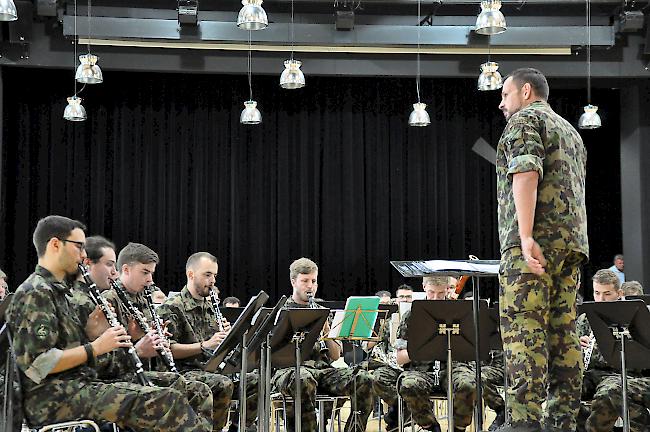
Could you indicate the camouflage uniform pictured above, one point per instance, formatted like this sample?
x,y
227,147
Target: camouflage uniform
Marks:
x,y
118,364
220,386
317,375
43,324
602,385
417,382
192,321
538,312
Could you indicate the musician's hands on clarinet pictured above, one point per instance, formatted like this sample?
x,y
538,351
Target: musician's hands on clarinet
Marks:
x,y
112,338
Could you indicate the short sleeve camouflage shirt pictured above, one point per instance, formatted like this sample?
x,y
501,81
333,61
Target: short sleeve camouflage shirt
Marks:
x,y
538,139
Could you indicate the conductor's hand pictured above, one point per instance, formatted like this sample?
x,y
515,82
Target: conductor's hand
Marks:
x,y
114,337
215,340
148,346
584,341
533,255
96,324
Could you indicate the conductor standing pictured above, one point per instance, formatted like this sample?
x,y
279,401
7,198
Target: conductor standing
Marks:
x,y
541,165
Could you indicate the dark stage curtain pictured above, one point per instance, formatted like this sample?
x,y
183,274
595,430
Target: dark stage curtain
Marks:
x,y
334,173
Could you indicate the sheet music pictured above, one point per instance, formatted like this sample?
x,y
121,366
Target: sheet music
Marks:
x,y
463,266
447,267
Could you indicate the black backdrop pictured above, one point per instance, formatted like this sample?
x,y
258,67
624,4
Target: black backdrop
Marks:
x,y
334,173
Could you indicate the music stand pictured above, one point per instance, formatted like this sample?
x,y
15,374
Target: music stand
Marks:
x,y
260,341
231,313
235,344
474,268
453,319
644,297
623,337
295,334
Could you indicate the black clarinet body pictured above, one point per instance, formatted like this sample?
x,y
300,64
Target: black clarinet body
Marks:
x,y
165,354
100,301
217,312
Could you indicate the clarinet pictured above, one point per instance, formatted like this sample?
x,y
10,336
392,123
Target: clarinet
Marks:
x,y
589,350
217,312
100,301
313,305
165,354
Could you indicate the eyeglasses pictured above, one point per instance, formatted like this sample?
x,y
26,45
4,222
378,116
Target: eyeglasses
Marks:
x,y
80,245
405,296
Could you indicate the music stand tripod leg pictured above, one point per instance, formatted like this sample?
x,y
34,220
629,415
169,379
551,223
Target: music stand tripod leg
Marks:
x,y
268,407
450,394
242,385
478,421
297,408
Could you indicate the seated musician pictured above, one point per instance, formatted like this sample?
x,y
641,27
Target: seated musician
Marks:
x,y
424,378
383,362
601,383
317,375
137,264
56,359
196,331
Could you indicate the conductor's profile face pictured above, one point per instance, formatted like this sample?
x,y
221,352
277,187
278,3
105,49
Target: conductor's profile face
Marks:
x,y
305,286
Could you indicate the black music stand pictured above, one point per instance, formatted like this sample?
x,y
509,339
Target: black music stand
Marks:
x,y
231,313
295,334
474,268
451,336
235,346
258,349
644,297
623,336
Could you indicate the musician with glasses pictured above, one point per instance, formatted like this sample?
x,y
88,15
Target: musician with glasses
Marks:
x,y
317,373
196,331
601,383
56,360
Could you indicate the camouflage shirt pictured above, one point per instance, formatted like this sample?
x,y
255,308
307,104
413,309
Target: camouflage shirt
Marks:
x,y
190,321
318,359
44,324
537,139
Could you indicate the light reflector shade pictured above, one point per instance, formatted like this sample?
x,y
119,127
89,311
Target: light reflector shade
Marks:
x,y
88,72
590,118
490,78
419,116
74,111
8,10
252,16
250,115
491,20
292,77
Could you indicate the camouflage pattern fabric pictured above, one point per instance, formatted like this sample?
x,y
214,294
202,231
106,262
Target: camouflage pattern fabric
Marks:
x,y
318,376
44,324
329,381
541,346
418,380
537,139
607,404
492,377
192,321
384,383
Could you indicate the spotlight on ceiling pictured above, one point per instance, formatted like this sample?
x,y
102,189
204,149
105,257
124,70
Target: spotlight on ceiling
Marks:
x,y
188,12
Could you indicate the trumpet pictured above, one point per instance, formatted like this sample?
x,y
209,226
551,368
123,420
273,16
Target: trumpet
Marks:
x,y
217,312
313,305
100,301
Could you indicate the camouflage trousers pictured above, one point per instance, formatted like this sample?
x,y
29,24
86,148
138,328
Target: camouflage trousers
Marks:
x,y
330,381
384,383
607,404
222,391
415,387
541,347
128,405
492,377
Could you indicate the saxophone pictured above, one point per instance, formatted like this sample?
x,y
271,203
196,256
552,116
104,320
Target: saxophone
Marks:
x,y
589,350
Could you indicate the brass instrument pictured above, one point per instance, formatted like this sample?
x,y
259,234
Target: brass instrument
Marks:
x,y
165,354
217,312
104,306
313,305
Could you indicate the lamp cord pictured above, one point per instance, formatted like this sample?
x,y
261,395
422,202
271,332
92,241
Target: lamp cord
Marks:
x,y
90,32
589,52
74,43
292,31
250,71
417,77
